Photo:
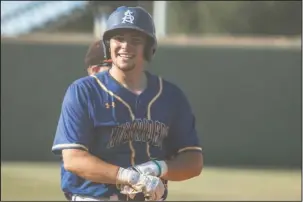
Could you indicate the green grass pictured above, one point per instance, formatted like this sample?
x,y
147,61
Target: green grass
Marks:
x,y
41,181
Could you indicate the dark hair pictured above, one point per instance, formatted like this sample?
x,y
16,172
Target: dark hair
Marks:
x,y
97,55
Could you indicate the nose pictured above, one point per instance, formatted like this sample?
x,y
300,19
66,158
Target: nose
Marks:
x,y
125,44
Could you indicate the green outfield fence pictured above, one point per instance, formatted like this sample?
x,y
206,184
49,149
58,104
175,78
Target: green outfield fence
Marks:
x,y
247,101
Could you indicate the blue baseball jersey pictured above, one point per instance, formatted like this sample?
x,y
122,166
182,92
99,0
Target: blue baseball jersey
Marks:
x,y
102,117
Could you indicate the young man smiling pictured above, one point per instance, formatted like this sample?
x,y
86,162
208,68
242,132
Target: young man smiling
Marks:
x,y
125,132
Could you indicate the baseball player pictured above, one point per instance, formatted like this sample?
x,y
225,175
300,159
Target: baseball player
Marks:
x,y
123,133
96,59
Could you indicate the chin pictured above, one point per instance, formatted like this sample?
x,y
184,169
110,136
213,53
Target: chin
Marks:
x,y
126,68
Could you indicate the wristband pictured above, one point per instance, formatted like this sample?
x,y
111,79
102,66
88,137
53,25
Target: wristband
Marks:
x,y
162,166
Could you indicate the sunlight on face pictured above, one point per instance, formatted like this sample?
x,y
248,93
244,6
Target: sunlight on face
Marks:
x,y
127,49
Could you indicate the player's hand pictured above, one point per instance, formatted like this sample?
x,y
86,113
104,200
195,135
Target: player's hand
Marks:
x,y
154,168
128,190
151,186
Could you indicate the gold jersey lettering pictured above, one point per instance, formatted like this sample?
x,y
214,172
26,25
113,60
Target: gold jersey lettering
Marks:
x,y
140,130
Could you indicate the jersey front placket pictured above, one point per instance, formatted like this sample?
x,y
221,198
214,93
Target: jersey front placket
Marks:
x,y
140,108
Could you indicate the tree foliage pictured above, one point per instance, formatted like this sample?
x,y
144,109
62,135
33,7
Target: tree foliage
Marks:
x,y
235,17
216,17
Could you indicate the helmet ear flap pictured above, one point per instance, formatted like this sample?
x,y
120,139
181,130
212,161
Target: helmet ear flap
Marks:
x,y
149,51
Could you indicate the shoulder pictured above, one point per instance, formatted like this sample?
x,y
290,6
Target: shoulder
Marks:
x,y
80,88
176,90
88,83
83,82
168,87
177,96
172,89
100,77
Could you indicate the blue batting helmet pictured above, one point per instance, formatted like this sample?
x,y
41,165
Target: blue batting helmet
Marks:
x,y
135,18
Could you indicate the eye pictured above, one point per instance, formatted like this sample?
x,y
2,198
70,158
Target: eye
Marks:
x,y
136,40
119,38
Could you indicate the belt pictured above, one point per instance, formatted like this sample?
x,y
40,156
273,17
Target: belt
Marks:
x,y
76,197
120,197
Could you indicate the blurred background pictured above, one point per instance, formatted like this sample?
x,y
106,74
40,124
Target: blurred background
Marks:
x,y
239,63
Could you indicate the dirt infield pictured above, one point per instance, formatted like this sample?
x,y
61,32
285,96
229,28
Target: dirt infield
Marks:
x,y
32,181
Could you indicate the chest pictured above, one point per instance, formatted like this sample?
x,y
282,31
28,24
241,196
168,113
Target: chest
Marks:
x,y
116,110
144,121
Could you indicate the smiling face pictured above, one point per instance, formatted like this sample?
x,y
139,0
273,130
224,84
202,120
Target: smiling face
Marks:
x,y
127,49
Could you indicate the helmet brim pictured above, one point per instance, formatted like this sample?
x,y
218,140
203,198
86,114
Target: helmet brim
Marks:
x,y
111,32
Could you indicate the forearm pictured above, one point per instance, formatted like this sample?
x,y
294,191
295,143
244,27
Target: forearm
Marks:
x,y
89,167
184,166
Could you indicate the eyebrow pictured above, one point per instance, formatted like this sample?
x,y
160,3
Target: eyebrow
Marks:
x,y
132,34
136,35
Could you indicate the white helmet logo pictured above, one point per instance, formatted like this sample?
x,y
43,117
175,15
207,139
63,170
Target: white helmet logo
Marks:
x,y
128,17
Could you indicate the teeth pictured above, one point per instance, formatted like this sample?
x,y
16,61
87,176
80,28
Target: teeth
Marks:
x,y
125,56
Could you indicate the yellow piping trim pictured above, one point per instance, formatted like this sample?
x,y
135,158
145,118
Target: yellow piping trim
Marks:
x,y
65,146
149,112
131,147
189,148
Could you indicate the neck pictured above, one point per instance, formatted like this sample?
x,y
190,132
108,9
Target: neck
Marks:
x,y
134,80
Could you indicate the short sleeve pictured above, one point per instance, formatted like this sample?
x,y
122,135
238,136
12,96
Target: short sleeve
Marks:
x,y
182,133
74,129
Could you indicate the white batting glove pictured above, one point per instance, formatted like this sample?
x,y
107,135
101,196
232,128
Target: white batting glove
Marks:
x,y
151,186
127,176
154,168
